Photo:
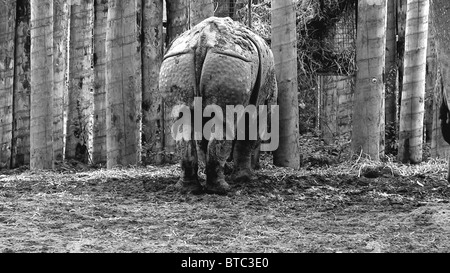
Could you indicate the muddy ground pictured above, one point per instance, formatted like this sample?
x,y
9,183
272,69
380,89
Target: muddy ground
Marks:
x,y
316,209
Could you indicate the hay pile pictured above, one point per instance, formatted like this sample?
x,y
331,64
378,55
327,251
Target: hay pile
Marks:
x,y
316,25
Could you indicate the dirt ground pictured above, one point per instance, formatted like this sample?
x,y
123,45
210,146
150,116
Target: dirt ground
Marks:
x,y
346,207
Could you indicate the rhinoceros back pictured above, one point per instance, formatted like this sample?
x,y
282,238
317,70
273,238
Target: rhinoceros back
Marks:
x,y
219,60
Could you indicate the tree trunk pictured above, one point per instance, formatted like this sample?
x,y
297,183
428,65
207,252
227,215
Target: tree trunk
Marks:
x,y
60,25
79,120
22,87
391,70
284,47
99,128
401,27
41,127
401,30
430,81
368,110
177,18
177,23
152,55
123,84
7,65
413,93
200,10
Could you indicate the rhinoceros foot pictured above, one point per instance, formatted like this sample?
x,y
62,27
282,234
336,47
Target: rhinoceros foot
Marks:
x,y
189,186
228,169
244,175
220,187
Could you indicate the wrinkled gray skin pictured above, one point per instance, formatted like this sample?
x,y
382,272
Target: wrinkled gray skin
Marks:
x,y
225,63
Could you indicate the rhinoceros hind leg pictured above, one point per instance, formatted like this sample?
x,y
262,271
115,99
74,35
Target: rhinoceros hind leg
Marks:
x,y
448,171
243,160
189,186
218,152
255,157
189,169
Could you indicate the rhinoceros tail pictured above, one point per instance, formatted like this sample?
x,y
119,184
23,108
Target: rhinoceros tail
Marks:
x,y
199,59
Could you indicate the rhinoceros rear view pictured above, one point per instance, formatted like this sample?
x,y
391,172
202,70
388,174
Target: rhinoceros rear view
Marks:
x,y
225,64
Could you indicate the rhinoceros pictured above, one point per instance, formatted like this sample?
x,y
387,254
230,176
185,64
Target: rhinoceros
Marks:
x,y
224,63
